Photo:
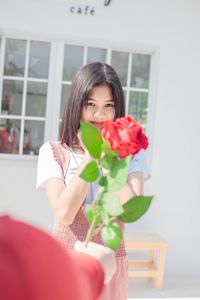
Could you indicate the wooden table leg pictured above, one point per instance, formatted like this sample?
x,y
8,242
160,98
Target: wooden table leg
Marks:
x,y
160,270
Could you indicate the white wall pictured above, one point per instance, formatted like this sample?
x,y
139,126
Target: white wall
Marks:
x,y
173,28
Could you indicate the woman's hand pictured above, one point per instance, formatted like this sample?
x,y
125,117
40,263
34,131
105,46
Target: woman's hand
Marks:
x,y
87,155
103,254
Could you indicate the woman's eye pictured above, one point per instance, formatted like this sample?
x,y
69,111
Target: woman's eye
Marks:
x,y
110,105
90,104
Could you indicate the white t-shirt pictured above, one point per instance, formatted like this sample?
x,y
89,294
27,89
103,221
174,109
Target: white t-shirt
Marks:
x,y
49,168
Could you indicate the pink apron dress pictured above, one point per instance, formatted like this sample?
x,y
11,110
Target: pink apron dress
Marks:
x,y
117,288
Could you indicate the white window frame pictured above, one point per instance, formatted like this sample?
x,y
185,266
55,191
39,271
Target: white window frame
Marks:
x,y
55,83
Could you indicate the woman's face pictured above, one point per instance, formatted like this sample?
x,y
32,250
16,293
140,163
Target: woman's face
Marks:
x,y
100,107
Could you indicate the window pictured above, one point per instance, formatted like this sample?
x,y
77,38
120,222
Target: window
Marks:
x,y
132,68
24,96
28,109
74,58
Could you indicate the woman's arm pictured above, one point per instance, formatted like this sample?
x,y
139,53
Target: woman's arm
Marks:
x,y
67,200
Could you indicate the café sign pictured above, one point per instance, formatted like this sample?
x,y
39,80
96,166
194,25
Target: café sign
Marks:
x,y
87,8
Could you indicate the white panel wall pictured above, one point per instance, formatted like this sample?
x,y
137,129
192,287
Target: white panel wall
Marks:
x,y
173,28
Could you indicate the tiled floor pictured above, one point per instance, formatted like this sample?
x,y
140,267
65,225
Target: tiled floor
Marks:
x,y
174,287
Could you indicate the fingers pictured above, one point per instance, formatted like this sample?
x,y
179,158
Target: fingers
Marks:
x,y
105,255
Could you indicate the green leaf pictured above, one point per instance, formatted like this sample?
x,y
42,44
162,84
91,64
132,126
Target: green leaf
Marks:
x,y
92,139
91,172
112,204
135,208
119,174
111,236
105,216
91,212
106,148
103,181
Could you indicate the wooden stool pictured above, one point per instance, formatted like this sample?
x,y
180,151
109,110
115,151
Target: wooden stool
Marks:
x,y
152,242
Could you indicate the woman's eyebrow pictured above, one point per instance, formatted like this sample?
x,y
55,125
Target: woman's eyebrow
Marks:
x,y
110,100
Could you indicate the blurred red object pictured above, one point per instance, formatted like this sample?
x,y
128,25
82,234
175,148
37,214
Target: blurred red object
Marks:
x,y
35,267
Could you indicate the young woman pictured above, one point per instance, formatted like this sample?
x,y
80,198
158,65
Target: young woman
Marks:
x,y
96,95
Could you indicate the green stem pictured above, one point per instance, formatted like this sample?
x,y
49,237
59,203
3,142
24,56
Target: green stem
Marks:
x,y
113,219
98,195
98,228
100,166
90,231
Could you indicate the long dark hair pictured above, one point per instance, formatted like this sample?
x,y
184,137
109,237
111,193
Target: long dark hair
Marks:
x,y
88,77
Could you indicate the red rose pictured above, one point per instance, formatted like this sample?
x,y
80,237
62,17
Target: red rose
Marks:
x,y
125,136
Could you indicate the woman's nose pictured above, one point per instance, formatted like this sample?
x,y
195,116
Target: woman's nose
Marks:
x,y
100,115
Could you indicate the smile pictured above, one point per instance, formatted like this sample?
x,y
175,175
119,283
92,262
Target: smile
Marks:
x,y
97,124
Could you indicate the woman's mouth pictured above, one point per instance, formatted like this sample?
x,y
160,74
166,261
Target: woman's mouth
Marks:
x,y
98,125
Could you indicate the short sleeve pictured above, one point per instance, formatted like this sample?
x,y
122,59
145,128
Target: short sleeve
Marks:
x,y
138,164
47,166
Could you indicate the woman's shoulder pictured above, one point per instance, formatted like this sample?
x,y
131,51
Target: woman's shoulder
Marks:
x,y
52,150
61,153
45,145
53,146
50,163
